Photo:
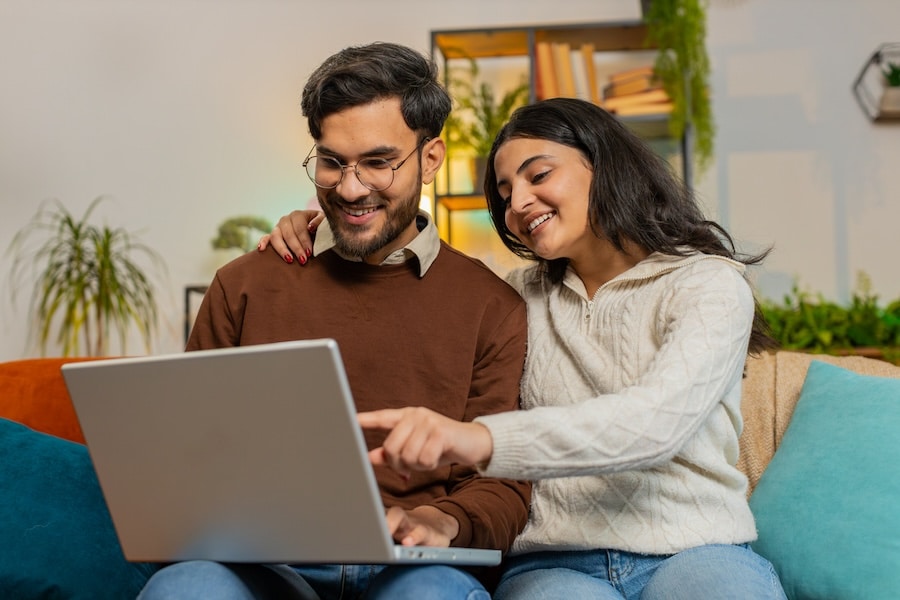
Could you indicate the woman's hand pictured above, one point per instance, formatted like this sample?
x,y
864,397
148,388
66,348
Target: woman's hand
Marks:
x,y
291,235
422,440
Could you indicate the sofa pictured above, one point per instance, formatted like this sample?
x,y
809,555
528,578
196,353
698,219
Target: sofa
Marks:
x,y
818,447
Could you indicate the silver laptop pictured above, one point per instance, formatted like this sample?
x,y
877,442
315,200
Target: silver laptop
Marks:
x,y
249,454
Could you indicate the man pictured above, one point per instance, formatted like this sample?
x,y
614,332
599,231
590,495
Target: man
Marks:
x,y
417,323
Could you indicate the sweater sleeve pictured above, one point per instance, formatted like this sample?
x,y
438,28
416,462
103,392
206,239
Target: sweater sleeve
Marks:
x,y
707,320
491,511
214,326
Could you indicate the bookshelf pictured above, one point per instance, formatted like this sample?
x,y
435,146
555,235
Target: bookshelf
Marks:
x,y
614,46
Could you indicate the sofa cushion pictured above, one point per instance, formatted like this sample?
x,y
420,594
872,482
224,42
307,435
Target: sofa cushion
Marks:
x,y
32,392
826,506
58,540
770,392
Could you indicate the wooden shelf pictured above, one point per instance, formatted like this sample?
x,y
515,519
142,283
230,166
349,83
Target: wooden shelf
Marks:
x,y
520,42
648,126
463,201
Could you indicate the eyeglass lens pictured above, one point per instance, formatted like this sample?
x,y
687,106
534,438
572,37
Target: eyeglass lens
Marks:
x,y
375,173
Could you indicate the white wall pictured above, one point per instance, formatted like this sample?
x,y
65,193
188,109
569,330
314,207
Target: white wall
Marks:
x,y
185,112
798,163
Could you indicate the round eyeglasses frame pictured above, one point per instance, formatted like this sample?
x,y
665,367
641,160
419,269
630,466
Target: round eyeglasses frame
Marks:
x,y
381,163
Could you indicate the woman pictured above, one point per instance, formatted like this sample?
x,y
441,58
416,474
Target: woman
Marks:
x,y
640,319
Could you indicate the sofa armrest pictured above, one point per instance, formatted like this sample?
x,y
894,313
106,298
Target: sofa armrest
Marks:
x,y
33,392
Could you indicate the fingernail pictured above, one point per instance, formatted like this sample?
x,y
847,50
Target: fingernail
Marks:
x,y
308,252
259,246
288,258
302,259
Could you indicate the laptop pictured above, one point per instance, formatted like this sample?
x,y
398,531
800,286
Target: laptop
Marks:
x,y
247,454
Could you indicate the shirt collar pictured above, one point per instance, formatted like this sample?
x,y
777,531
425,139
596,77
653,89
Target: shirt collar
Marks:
x,y
425,246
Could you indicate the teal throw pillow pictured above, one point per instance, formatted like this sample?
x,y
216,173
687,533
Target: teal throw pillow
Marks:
x,y
56,536
827,506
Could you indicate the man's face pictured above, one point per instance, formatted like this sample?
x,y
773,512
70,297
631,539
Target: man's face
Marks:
x,y
368,224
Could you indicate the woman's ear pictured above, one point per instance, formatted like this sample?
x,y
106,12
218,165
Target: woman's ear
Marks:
x,y
432,158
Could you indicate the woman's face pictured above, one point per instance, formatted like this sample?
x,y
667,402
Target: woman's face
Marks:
x,y
546,188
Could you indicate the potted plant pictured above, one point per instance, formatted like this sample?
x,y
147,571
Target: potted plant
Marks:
x,y
678,28
235,232
890,97
810,323
88,281
477,116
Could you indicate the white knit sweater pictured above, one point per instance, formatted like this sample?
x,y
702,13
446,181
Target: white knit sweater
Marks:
x,y
633,409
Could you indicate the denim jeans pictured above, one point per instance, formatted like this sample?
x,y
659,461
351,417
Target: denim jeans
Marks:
x,y
206,579
716,571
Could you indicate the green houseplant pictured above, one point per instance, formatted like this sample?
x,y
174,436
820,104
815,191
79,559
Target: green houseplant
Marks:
x,y
889,105
808,322
892,74
478,114
88,280
235,232
678,29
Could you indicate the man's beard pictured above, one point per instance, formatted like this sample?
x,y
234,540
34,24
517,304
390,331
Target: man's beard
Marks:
x,y
349,240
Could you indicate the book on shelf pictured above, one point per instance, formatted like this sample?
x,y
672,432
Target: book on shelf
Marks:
x,y
632,85
652,96
579,70
643,70
650,108
565,75
587,56
545,86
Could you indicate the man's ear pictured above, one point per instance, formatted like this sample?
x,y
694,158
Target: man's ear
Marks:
x,y
432,158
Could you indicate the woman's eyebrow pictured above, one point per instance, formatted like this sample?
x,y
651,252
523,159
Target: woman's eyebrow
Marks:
x,y
528,161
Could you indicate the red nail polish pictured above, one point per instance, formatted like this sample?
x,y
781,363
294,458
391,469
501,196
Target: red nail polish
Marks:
x,y
302,259
288,258
308,252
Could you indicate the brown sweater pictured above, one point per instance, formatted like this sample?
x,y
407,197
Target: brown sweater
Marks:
x,y
453,341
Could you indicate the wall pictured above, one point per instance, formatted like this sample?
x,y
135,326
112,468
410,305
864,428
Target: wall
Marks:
x,y
185,112
799,165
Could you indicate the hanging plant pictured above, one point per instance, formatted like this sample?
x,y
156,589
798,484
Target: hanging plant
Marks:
x,y
88,280
678,29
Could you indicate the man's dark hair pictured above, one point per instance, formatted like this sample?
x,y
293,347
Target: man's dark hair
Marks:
x,y
359,75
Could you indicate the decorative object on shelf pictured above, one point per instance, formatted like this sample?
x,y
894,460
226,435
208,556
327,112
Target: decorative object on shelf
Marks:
x,y
478,115
88,280
678,29
877,87
890,96
808,322
235,233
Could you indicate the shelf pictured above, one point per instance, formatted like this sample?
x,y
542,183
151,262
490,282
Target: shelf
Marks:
x,y
463,201
616,45
870,84
518,41
648,126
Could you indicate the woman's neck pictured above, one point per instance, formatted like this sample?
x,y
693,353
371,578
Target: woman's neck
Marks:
x,y
606,263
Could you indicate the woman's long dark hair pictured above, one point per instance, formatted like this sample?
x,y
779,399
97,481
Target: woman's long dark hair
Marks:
x,y
634,194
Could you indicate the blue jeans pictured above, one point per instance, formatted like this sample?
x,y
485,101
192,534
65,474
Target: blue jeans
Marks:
x,y
715,571
202,580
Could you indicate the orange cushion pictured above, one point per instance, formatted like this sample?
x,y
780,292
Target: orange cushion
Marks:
x,y
32,392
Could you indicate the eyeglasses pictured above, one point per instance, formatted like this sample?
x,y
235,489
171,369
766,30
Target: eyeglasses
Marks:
x,y
377,174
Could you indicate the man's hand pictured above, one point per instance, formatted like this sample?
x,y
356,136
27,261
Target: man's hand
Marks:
x,y
421,526
292,235
423,440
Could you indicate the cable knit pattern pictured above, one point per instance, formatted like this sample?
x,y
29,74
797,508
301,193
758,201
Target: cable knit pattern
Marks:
x,y
633,401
